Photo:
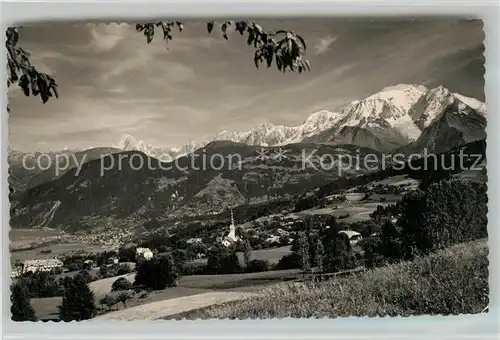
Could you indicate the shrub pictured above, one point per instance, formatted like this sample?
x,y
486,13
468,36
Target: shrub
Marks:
x,y
108,301
256,266
223,261
289,261
123,269
157,273
121,284
194,269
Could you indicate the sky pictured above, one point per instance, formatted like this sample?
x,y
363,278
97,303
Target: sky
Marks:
x,y
112,83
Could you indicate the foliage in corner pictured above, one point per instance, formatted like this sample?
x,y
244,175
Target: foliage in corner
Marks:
x,y
285,48
21,71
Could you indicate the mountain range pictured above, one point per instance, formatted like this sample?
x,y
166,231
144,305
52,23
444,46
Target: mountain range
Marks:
x,y
389,120
399,119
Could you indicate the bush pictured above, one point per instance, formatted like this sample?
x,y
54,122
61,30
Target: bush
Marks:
x,y
123,269
108,301
289,261
223,261
256,266
194,269
121,284
157,273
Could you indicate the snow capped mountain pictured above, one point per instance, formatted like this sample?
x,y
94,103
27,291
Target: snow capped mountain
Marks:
x,y
401,96
473,103
398,116
456,124
314,124
265,134
387,120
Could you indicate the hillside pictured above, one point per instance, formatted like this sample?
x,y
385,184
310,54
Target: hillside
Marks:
x,y
451,281
101,192
38,169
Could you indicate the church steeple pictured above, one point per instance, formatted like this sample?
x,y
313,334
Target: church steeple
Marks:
x,y
232,217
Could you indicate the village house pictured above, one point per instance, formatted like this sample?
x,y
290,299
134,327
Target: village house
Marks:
x,y
16,272
89,264
43,265
353,236
143,253
113,260
194,240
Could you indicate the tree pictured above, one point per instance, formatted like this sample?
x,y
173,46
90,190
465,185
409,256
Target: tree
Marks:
x,y
78,302
158,273
285,48
121,284
126,253
372,251
338,251
108,301
20,308
20,70
446,213
390,246
246,252
123,297
289,261
223,261
85,275
305,260
320,254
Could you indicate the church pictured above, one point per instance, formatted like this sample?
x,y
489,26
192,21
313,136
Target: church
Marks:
x,y
230,238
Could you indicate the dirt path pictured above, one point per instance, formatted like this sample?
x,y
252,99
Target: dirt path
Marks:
x,y
161,309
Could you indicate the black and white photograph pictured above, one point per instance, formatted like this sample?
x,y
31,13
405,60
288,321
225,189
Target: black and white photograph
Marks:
x,y
243,169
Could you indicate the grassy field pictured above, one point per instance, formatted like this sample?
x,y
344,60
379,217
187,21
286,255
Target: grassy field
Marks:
x,y
158,309
452,281
46,308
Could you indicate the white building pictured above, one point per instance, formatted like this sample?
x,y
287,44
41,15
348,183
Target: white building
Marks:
x,y
353,236
194,240
231,237
143,253
272,239
43,265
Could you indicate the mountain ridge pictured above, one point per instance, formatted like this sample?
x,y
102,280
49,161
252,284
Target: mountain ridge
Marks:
x,y
391,118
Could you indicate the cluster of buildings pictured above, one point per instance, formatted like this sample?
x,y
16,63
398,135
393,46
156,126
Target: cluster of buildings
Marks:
x,y
42,265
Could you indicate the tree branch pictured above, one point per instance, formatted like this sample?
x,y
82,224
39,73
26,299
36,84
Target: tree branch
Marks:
x,y
285,48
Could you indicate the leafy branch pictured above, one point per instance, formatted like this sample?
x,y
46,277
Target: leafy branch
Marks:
x,y
285,48
20,70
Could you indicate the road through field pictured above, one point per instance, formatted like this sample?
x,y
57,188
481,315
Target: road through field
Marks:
x,y
161,309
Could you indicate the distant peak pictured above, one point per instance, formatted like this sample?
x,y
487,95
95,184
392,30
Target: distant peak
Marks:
x,y
264,125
